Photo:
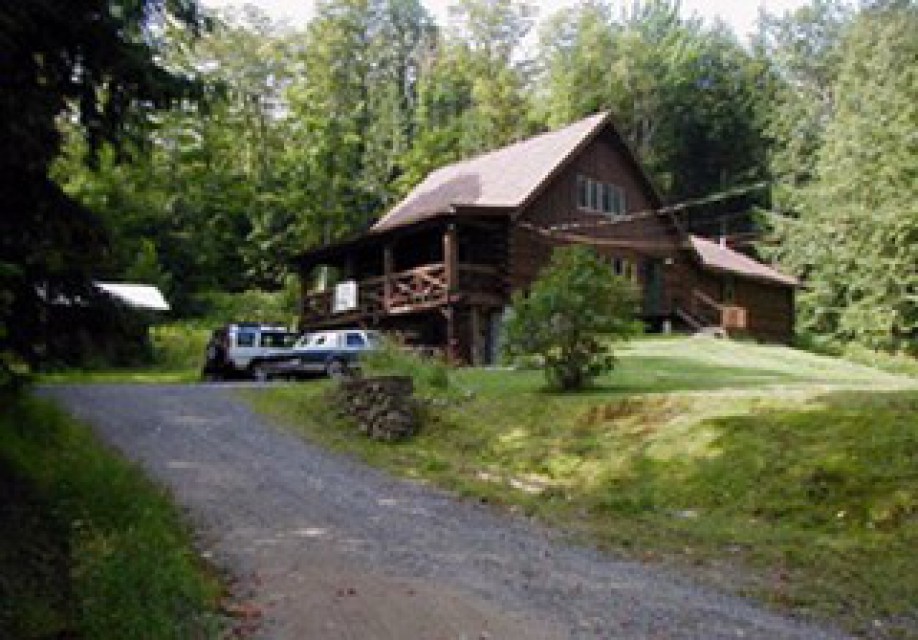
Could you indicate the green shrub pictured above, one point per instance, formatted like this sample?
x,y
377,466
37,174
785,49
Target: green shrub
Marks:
x,y
573,313
179,346
217,308
430,373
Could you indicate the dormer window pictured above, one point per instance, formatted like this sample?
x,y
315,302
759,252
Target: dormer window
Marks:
x,y
600,197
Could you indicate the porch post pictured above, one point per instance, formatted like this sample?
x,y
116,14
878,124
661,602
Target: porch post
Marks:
x,y
450,258
388,269
476,337
350,270
452,339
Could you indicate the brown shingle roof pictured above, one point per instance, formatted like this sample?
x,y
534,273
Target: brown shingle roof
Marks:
x,y
505,178
718,258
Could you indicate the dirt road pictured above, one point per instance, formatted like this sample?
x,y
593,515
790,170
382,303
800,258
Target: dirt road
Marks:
x,y
330,549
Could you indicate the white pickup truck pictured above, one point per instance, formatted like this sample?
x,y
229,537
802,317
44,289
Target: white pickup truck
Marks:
x,y
238,349
332,353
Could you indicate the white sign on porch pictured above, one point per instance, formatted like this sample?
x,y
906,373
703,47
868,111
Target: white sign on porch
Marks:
x,y
345,297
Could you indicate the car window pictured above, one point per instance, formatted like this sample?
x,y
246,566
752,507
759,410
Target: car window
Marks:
x,y
245,339
355,340
374,339
277,339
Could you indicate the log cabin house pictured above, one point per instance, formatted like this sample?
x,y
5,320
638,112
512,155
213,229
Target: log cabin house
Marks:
x,y
440,267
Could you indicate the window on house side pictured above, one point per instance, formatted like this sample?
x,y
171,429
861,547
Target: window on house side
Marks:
x,y
602,197
608,194
620,204
583,192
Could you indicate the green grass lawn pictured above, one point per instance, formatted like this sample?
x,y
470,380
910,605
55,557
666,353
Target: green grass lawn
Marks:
x,y
177,357
782,475
88,547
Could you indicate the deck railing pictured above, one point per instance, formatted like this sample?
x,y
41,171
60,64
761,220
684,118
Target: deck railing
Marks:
x,y
716,314
405,291
420,286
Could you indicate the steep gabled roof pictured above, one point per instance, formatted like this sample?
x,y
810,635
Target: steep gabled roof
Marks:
x,y
717,258
503,179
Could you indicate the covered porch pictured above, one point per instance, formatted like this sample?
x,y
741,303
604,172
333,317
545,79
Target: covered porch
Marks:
x,y
437,283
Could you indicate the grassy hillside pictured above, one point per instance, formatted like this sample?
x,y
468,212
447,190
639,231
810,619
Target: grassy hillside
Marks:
x,y
773,472
88,547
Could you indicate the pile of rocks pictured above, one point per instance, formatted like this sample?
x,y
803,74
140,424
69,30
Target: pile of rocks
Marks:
x,y
383,407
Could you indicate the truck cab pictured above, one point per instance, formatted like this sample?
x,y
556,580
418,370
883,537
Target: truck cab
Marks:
x,y
238,348
332,353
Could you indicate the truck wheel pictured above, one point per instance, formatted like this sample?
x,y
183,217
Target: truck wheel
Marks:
x,y
211,376
336,369
260,373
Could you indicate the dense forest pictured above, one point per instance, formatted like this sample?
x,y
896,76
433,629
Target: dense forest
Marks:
x,y
148,142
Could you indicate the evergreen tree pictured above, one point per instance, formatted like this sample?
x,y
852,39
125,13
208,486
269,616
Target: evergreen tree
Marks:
x,y
855,236
689,100
352,111
94,63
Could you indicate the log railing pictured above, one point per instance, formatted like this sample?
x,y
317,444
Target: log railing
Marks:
x,y
421,287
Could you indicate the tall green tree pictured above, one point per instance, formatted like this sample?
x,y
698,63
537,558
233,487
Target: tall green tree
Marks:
x,y
352,111
95,63
441,121
473,87
488,38
804,50
208,192
854,233
689,99
401,32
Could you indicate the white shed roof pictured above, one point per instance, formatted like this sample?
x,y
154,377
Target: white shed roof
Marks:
x,y
137,296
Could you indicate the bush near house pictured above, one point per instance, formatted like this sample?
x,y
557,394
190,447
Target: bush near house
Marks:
x,y
572,315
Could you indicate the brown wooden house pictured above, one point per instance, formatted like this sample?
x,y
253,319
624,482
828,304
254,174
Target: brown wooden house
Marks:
x,y
442,264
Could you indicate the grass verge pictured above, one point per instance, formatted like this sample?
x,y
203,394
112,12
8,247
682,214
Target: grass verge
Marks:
x,y
177,357
763,468
88,547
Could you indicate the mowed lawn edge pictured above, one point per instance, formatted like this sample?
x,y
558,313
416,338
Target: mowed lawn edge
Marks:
x,y
784,476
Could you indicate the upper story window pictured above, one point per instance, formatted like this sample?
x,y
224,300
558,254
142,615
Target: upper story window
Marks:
x,y
601,197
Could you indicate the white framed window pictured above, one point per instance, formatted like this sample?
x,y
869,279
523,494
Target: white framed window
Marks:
x,y
583,192
619,206
600,197
596,189
607,197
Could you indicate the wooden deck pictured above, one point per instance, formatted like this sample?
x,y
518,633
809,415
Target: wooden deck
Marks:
x,y
416,290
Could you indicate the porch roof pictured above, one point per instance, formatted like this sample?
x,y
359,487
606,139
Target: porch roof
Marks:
x,y
717,258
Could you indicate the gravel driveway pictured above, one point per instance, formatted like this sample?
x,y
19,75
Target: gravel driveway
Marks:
x,y
331,549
